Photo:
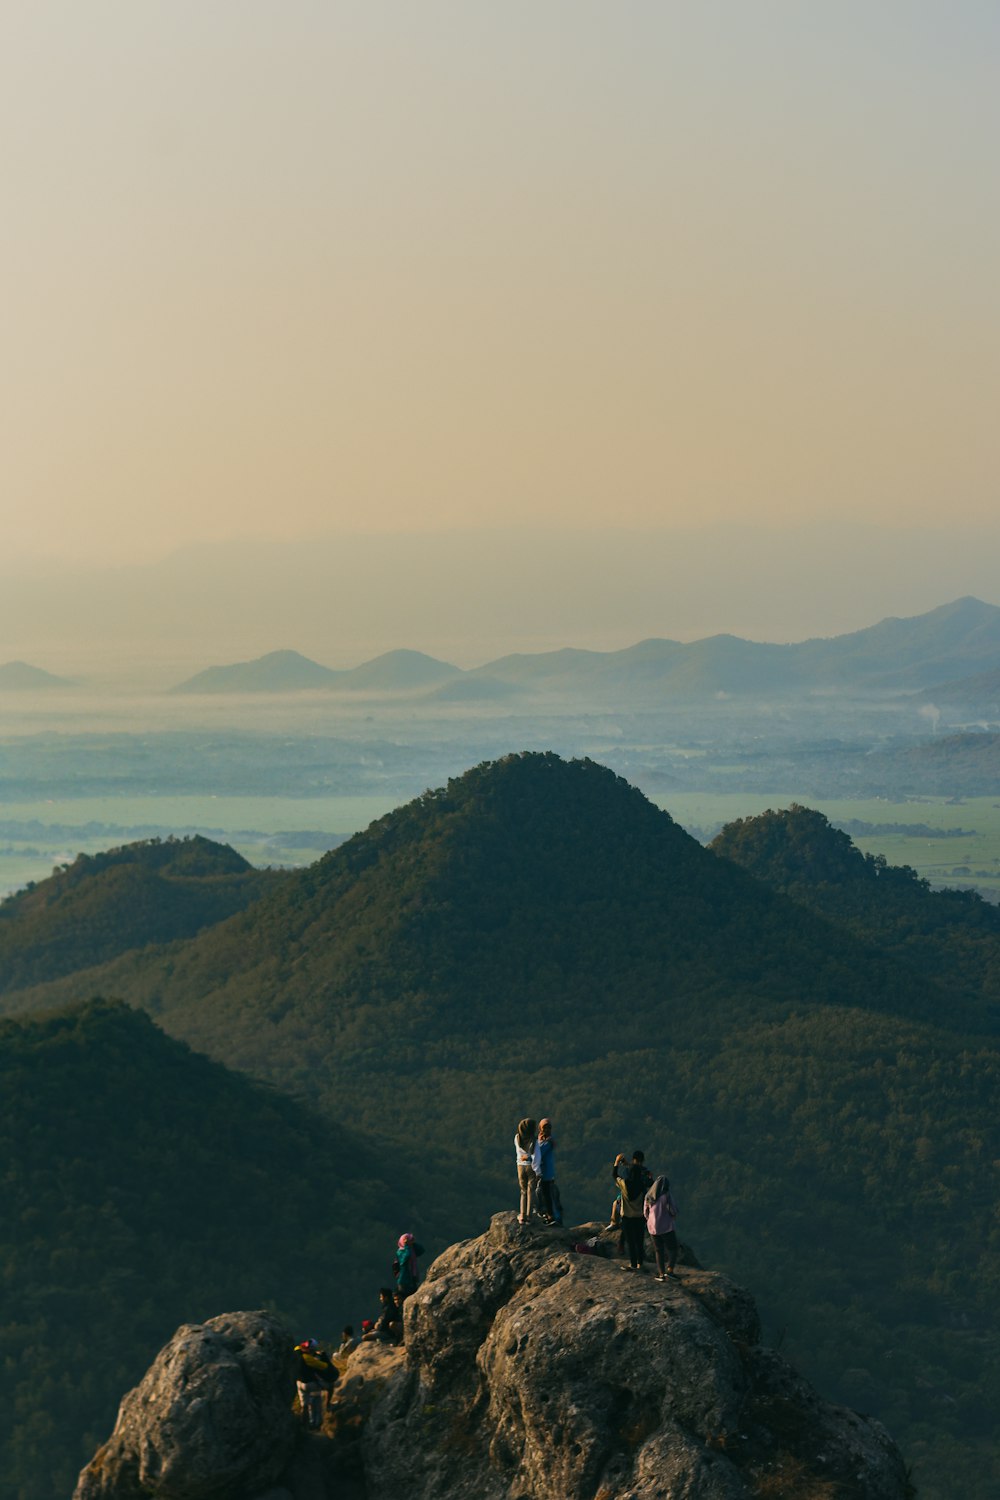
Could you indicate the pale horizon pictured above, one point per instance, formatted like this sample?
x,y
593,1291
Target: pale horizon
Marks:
x,y
284,272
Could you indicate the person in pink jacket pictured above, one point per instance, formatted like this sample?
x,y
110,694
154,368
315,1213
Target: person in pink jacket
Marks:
x,y
661,1211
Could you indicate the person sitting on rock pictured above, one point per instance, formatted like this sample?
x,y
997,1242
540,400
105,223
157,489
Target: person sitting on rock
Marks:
x,y
546,1192
315,1377
348,1342
661,1211
632,1180
387,1328
404,1266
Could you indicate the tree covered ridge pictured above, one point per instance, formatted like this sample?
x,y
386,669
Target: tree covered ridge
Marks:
x,y
951,936
536,937
145,1186
152,891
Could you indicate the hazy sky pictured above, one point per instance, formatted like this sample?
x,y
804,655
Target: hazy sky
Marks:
x,y
303,266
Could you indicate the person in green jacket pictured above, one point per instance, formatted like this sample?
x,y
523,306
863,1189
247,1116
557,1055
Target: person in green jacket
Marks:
x,y
404,1266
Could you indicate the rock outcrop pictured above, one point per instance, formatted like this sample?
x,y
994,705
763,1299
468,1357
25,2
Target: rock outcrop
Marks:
x,y
530,1372
536,1373
210,1420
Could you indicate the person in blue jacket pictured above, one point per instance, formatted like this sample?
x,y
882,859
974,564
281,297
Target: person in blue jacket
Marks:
x,y
550,1204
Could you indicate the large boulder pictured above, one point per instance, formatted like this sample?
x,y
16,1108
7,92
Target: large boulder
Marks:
x,y
534,1372
210,1420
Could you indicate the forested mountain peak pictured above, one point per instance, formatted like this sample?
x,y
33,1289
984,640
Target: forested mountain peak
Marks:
x,y
795,845
100,905
952,935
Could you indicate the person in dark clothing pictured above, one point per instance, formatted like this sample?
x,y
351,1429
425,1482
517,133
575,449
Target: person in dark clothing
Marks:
x,y
387,1327
632,1180
315,1377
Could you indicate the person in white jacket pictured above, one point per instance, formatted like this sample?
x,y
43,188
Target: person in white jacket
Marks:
x,y
524,1155
661,1212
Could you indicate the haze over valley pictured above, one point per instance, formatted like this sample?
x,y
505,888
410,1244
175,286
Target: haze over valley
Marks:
x,y
499,616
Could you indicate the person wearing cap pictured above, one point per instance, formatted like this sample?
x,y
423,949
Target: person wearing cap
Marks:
x,y
550,1204
315,1377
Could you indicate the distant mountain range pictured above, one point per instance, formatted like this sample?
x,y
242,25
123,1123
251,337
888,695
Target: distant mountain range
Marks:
x,y
290,672
952,650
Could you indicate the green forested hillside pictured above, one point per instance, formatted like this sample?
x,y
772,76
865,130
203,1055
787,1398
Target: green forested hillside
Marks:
x,y
537,937
950,935
143,1187
104,904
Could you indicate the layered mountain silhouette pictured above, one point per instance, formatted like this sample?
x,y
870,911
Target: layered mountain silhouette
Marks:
x,y
892,656
145,1186
290,672
102,905
895,656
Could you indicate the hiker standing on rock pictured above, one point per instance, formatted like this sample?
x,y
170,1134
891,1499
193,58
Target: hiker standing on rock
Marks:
x,y
550,1204
315,1377
404,1266
632,1179
524,1154
661,1211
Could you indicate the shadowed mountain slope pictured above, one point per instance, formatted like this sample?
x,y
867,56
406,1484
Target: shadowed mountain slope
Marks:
x,y
146,1186
104,904
538,938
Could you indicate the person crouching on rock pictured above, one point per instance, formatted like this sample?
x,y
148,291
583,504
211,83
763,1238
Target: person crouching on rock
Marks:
x,y
632,1180
315,1377
661,1211
550,1204
404,1266
524,1155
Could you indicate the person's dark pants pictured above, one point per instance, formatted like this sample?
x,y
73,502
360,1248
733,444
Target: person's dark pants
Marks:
x,y
665,1246
548,1200
633,1234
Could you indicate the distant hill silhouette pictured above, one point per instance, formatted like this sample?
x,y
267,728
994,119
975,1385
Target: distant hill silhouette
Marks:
x,y
399,671
103,904
277,672
21,677
288,672
949,765
144,1187
980,692
893,656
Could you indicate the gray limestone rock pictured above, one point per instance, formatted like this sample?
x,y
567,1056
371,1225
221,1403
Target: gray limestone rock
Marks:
x,y
210,1420
536,1373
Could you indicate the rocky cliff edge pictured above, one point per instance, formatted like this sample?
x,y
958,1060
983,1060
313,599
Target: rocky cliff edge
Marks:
x,y
531,1372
